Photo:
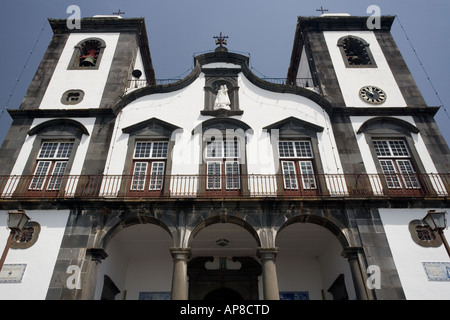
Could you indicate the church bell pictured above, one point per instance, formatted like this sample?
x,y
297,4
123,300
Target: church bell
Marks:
x,y
89,61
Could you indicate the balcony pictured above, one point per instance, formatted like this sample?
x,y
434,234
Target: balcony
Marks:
x,y
307,83
128,187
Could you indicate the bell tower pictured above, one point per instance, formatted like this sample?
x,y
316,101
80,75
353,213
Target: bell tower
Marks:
x,y
83,73
359,69
90,67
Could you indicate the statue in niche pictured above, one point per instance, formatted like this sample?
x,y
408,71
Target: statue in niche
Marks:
x,y
222,98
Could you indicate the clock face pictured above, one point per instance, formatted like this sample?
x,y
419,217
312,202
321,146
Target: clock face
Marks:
x,y
372,94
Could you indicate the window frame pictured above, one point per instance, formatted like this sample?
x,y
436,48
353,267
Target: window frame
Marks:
x,y
366,47
50,180
152,181
397,168
74,61
304,181
225,181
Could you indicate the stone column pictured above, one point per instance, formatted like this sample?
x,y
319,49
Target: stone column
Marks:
x,y
357,273
179,278
89,285
269,273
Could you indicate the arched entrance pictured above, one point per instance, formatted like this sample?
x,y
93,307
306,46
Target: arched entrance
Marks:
x,y
139,264
310,265
224,264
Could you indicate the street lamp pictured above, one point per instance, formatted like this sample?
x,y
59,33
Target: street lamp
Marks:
x,y
437,221
16,222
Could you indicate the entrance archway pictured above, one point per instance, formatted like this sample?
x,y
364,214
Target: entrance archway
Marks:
x,y
310,265
224,263
138,263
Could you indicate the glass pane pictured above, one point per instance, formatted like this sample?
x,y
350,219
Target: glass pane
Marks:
x,y
307,171
390,174
64,150
408,175
303,149
159,150
286,149
48,150
39,175
157,175
231,149
57,175
140,170
398,148
289,174
232,175
214,178
382,148
142,150
214,149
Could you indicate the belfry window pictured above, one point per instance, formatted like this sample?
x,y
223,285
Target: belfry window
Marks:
x,y
356,52
87,54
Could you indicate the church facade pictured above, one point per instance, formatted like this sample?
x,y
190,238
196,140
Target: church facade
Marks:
x,y
223,185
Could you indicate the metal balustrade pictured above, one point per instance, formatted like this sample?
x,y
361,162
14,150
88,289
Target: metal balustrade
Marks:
x,y
352,186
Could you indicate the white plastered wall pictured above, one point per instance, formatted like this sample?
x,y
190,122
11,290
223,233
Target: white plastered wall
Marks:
x,y
408,255
261,108
92,82
351,80
39,259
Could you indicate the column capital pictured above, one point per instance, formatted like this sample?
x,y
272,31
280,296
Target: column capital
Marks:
x,y
267,253
180,253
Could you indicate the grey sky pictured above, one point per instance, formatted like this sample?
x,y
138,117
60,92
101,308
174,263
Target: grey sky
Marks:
x,y
264,29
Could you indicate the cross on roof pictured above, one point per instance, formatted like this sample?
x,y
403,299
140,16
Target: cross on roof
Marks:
x,y
322,9
221,40
119,12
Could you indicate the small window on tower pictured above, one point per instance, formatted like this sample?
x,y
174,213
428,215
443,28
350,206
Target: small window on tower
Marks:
x,y
87,54
72,97
356,53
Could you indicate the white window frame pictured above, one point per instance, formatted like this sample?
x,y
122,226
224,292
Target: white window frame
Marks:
x,y
149,154
218,153
295,153
395,160
58,154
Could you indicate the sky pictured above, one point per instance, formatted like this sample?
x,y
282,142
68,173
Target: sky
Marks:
x,y
263,29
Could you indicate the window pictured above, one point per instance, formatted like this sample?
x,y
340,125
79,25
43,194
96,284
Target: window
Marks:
x,y
223,165
87,55
356,52
396,165
149,162
297,165
72,97
51,165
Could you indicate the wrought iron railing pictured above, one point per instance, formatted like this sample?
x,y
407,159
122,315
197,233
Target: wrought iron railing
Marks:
x,y
299,82
359,186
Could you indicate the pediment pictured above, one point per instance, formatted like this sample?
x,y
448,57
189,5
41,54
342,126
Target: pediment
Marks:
x,y
153,126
